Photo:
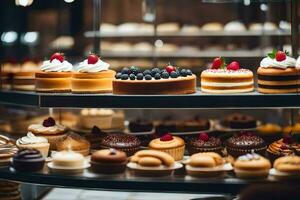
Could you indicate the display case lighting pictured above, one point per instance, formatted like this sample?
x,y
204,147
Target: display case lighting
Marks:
x,y
9,37
30,38
69,1
23,3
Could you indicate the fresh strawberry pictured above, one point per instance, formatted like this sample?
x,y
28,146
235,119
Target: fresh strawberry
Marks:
x,y
217,62
57,56
204,137
166,137
280,56
92,59
233,66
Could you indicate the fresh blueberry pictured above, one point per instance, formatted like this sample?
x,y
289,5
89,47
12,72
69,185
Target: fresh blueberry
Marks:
x,y
146,72
165,75
118,75
162,71
134,70
132,77
125,70
174,74
148,77
154,71
157,76
124,76
183,72
189,72
140,76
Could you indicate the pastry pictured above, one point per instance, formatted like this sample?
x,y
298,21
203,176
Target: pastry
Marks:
x,y
50,130
165,48
94,137
126,143
283,147
108,161
212,26
92,76
192,125
142,47
204,143
256,27
277,74
33,142
25,78
291,129
128,27
190,29
235,26
170,27
239,121
107,28
7,150
68,159
155,81
75,143
28,160
270,26
55,75
243,143
270,132
140,125
252,166
146,28
288,164
226,79
63,42
170,144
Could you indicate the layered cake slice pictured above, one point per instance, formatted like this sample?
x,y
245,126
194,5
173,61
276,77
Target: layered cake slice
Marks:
x,y
222,78
277,74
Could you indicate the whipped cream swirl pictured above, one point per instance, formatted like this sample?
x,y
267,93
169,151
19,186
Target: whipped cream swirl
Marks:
x,y
56,66
90,68
31,139
298,62
269,62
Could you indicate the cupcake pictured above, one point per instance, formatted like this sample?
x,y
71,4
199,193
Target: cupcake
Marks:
x,y
283,147
33,142
170,144
55,75
75,143
28,160
252,166
204,143
243,143
270,132
92,76
7,150
126,143
50,130
108,161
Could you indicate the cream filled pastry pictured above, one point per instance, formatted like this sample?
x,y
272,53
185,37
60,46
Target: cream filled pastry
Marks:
x,y
30,141
226,79
278,73
92,76
55,75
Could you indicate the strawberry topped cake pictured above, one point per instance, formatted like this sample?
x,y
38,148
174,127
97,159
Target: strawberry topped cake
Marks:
x,y
223,78
278,73
55,75
92,76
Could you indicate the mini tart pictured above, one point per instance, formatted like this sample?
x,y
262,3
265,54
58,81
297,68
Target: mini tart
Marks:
x,y
244,143
75,143
197,145
109,161
174,146
288,164
227,81
53,81
274,80
97,82
281,148
24,80
252,166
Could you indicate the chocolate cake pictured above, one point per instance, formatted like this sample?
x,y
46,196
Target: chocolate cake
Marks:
x,y
204,143
192,125
239,121
140,125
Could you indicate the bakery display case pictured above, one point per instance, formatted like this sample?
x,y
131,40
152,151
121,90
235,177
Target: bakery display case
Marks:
x,y
103,124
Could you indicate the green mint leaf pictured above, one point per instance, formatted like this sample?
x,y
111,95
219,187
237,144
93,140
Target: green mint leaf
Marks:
x,y
287,53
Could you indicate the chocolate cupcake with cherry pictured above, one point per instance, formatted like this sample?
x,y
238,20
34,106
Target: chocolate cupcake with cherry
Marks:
x,y
28,160
245,142
204,143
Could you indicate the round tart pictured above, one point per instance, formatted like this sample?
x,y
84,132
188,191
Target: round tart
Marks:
x,y
123,142
108,161
154,81
75,143
243,143
204,143
172,145
252,166
28,160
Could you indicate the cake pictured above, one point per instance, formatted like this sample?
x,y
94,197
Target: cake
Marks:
x,y
243,143
28,160
68,159
155,81
204,143
75,143
55,75
222,78
239,121
172,145
123,142
192,125
270,132
283,147
288,164
30,141
92,76
252,166
50,130
108,161
277,74
25,78
7,150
